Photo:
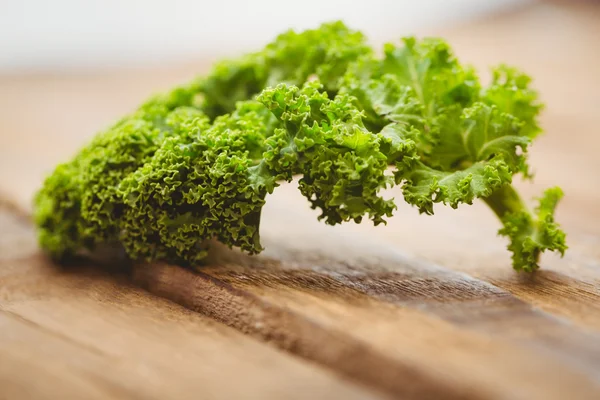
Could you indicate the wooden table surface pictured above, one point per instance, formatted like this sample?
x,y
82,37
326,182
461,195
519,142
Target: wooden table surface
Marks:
x,y
426,307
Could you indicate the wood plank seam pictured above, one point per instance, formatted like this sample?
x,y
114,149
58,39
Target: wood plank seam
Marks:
x,y
56,334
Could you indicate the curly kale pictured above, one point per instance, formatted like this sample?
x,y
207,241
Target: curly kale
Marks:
x,y
197,163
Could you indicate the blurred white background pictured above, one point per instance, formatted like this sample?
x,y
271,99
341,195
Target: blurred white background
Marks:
x,y
63,34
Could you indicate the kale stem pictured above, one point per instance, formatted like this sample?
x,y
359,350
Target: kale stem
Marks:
x,y
505,200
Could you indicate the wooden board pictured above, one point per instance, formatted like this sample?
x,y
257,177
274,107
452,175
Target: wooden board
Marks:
x,y
426,307
82,332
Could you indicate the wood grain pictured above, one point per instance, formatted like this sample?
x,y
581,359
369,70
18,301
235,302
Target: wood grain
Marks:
x,y
425,307
82,332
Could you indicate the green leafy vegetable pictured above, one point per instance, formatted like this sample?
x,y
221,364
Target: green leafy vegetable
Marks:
x,y
198,163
